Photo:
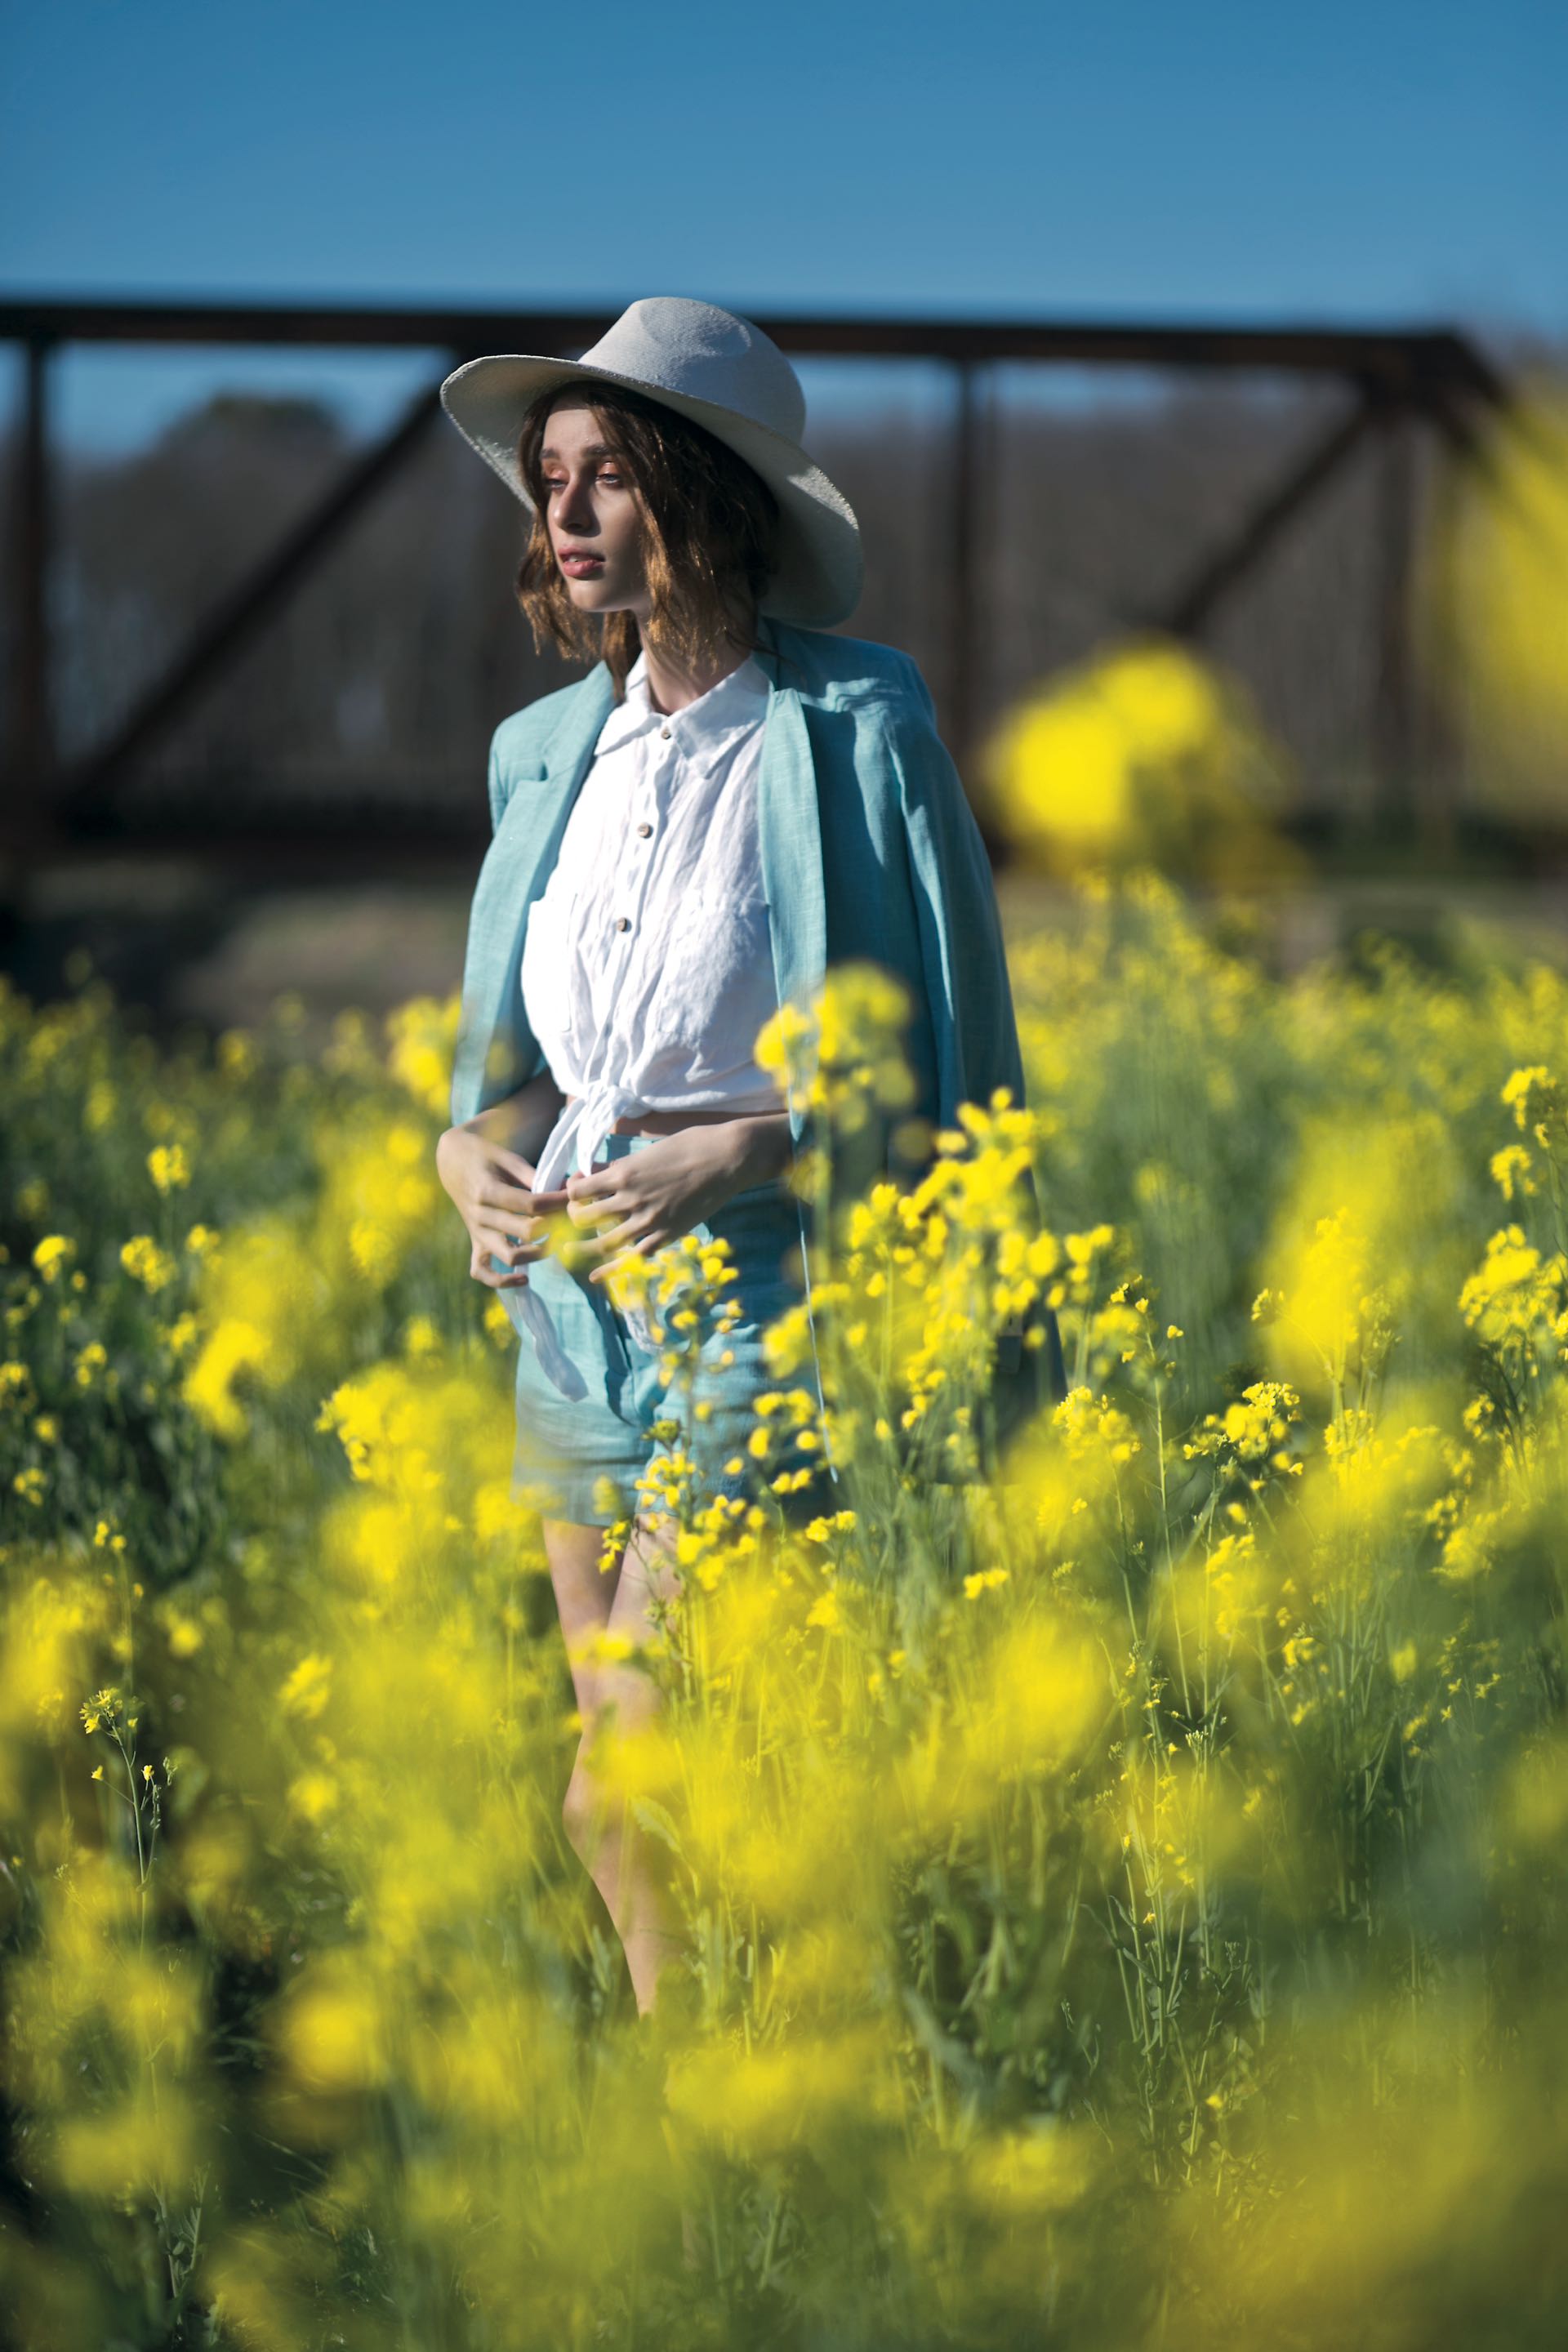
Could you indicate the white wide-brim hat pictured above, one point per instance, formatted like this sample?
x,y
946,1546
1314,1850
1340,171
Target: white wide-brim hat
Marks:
x,y
724,374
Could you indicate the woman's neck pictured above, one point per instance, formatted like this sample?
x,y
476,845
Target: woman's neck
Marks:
x,y
672,684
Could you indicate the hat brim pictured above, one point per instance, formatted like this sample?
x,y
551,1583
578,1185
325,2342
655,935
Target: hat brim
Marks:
x,y
821,566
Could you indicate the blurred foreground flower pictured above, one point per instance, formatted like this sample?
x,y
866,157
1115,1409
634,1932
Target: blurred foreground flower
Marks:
x,y
1094,1882
1145,755
843,1055
1494,606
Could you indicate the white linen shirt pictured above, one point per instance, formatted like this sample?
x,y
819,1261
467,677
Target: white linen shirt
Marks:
x,y
648,962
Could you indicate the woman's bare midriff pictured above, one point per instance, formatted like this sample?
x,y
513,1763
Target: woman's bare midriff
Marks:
x,y
669,1122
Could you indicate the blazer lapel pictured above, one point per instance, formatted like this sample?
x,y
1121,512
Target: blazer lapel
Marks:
x,y
497,1050
790,839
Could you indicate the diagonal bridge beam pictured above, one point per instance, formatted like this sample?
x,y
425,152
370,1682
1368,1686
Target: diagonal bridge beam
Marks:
x,y
1186,614
87,802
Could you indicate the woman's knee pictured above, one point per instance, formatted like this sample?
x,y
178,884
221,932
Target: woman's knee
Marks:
x,y
581,1811
626,1698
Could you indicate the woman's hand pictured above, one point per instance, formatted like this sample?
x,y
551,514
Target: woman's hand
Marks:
x,y
492,1190
653,1196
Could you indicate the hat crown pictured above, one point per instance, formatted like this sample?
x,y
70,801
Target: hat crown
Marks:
x,y
707,353
724,374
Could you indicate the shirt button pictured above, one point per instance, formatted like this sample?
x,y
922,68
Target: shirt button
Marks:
x,y
623,923
645,830
665,732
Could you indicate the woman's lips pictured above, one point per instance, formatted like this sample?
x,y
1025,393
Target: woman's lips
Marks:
x,y
582,563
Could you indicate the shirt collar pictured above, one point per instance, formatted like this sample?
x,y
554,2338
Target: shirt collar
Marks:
x,y
735,704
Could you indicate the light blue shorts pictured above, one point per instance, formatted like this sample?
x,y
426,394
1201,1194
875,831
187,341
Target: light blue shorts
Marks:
x,y
568,1443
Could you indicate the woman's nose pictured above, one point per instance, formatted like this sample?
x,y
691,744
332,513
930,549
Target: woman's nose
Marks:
x,y
575,511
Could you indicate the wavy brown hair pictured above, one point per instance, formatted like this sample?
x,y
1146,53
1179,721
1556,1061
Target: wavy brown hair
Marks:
x,y
710,536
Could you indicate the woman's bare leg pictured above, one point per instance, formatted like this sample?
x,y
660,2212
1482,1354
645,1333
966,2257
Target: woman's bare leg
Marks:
x,y
589,1599
583,1591
647,1922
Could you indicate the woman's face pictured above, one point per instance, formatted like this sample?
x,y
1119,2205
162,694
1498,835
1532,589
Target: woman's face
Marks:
x,y
592,508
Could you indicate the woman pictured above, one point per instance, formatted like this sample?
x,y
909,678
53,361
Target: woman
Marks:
x,y
732,799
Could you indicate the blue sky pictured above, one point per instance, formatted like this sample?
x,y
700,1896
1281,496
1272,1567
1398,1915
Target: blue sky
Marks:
x,y
1381,161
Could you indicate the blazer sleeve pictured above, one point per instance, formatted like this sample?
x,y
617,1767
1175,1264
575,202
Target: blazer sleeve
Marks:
x,y
496,781
514,748
970,994
968,990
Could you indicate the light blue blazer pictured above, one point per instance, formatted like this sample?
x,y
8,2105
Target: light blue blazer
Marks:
x,y
869,849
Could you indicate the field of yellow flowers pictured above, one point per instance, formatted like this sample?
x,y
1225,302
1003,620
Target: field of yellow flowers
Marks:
x,y
1126,1896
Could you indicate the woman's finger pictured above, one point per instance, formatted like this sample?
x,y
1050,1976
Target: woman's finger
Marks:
x,y
637,1246
514,1202
515,1199
518,1281
497,1231
496,1227
482,1271
598,1183
501,1244
615,1232
595,1210
503,1163
492,1216
521,1197
512,1163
